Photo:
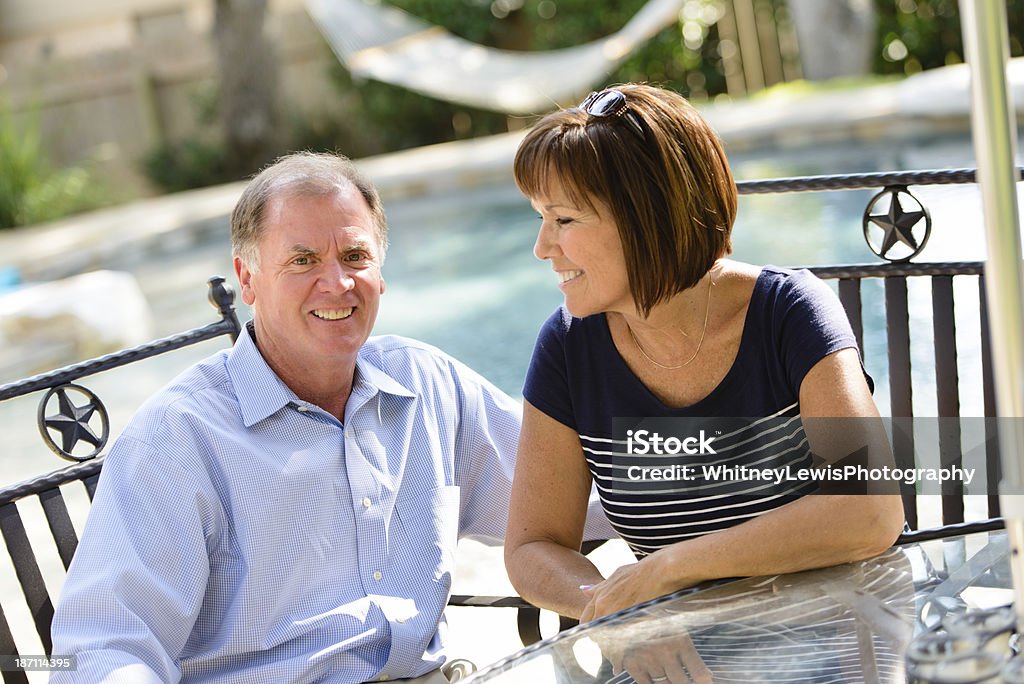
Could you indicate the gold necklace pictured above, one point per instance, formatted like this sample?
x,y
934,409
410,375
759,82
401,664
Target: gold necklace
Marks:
x,y
707,314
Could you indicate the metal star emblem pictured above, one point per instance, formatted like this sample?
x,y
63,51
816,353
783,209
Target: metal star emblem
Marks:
x,y
897,224
73,422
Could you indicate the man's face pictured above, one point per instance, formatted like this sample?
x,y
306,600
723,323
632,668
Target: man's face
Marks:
x,y
319,283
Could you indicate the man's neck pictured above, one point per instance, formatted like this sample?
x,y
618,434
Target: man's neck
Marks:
x,y
327,384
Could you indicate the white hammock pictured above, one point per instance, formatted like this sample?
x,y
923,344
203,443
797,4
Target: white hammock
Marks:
x,y
387,44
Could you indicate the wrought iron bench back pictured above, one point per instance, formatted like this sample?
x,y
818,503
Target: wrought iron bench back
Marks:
x,y
73,423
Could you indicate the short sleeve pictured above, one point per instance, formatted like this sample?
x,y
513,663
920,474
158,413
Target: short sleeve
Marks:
x,y
547,378
810,324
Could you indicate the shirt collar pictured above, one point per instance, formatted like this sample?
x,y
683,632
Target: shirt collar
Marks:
x,y
368,374
261,393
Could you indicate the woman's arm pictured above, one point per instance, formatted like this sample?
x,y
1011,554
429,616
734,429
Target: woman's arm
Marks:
x,y
546,517
814,531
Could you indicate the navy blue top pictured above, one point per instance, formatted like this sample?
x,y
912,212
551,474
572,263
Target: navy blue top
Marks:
x,y
577,377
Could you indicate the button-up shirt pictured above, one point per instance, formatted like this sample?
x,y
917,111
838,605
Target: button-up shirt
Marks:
x,y
241,534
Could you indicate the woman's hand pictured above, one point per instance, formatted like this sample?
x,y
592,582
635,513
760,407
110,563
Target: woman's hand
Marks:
x,y
627,586
665,660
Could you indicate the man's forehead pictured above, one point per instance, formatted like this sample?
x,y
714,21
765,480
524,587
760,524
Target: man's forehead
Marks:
x,y
344,196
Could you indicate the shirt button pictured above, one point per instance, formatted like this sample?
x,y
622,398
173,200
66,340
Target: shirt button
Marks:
x,y
400,621
383,678
377,575
302,408
366,502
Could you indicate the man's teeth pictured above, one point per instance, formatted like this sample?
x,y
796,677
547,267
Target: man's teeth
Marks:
x,y
564,276
333,314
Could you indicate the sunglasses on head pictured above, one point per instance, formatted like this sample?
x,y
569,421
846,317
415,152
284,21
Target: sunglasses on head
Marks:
x,y
611,103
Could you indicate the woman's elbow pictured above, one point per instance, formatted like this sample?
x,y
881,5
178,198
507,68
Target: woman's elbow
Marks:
x,y
881,525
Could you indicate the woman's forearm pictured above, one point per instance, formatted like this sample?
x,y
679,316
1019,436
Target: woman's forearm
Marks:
x,y
816,531
549,576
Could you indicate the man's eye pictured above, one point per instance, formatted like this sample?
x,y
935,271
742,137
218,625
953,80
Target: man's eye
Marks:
x,y
355,257
301,261
564,221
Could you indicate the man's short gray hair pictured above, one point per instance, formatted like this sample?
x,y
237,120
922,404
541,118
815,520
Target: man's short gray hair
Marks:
x,y
298,174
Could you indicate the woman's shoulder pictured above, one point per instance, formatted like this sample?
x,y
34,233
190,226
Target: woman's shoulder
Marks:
x,y
790,283
771,293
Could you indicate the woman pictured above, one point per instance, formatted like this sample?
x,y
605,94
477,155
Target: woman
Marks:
x,y
637,202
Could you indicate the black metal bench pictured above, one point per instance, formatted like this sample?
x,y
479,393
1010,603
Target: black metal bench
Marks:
x,y
49,490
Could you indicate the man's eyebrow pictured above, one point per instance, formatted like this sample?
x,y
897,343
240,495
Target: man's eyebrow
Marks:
x,y
358,244
302,249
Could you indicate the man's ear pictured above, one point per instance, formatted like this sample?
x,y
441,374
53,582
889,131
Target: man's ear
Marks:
x,y
382,286
245,280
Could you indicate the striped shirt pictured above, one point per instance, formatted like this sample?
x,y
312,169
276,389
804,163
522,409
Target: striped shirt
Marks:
x,y
240,534
578,378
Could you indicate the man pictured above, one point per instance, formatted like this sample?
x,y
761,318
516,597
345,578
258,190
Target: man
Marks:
x,y
288,510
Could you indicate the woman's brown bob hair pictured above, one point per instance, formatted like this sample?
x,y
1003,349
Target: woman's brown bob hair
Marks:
x,y
671,195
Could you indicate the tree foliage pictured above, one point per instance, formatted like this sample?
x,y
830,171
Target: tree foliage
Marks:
x,y
925,34
31,191
686,56
390,118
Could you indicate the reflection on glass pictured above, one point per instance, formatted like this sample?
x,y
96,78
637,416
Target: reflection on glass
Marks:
x,y
849,623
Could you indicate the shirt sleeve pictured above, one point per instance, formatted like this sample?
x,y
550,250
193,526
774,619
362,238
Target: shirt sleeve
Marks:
x,y
128,604
485,455
489,428
547,378
810,324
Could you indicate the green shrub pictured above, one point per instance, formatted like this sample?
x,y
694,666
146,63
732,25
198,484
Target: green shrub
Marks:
x,y
31,191
925,34
186,164
384,118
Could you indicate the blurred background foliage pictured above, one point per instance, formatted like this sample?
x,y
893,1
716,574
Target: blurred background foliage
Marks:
x,y
693,56
31,190
688,57
924,34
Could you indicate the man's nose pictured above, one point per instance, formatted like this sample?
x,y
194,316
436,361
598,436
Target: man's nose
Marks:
x,y
334,276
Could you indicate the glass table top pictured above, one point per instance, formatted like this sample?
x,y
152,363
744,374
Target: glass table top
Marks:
x,y
849,623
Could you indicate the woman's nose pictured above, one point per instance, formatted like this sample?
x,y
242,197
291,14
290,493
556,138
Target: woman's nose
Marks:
x,y
546,245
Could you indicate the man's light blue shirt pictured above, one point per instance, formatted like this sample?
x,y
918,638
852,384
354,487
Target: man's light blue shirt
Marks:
x,y
241,534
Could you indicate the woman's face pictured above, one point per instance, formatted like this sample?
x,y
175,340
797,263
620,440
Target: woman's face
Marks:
x,y
585,251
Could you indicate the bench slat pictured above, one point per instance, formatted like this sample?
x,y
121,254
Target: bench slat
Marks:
x,y
897,328
993,465
849,296
27,570
947,393
7,647
90,485
57,517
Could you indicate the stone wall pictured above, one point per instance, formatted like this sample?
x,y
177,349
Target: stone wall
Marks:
x,y
111,79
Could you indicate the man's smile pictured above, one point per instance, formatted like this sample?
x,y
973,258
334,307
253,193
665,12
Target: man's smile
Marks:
x,y
333,314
